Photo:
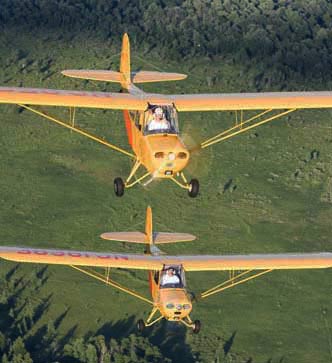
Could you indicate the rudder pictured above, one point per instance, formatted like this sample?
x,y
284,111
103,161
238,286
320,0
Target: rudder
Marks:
x,y
125,62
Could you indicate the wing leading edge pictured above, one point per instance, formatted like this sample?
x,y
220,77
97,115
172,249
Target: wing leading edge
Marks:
x,y
190,263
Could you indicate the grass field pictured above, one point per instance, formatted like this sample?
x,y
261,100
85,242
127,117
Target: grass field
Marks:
x,y
269,190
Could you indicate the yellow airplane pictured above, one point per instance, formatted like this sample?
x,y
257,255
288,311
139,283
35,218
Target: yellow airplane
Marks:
x,y
170,298
151,119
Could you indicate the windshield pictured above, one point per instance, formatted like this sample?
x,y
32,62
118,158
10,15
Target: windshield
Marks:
x,y
160,119
171,278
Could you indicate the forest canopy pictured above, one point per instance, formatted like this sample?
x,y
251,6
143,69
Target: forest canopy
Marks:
x,y
290,36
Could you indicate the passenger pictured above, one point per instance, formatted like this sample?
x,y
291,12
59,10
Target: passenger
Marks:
x,y
169,277
159,121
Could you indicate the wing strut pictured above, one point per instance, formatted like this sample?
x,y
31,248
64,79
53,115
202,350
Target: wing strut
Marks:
x,y
110,282
232,282
79,131
239,129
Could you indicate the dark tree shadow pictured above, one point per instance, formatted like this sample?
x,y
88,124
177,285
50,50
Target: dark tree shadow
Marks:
x,y
41,274
170,337
59,319
117,330
227,185
67,337
11,272
42,308
228,344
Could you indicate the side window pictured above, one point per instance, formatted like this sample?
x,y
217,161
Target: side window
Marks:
x,y
148,117
135,117
156,277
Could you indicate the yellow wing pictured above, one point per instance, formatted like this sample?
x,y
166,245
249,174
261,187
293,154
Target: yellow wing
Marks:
x,y
198,102
252,101
51,97
148,262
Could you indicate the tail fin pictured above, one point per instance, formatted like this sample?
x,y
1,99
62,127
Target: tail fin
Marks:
x,y
148,226
125,62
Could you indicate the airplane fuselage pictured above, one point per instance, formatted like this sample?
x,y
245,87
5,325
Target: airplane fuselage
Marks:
x,y
163,154
173,303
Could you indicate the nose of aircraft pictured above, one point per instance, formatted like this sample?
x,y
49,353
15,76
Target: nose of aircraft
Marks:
x,y
170,162
176,310
167,155
175,303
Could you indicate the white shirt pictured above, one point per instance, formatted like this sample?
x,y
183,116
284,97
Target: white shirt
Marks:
x,y
158,125
169,279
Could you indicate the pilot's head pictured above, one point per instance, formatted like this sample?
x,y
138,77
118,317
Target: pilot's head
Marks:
x,y
170,272
159,113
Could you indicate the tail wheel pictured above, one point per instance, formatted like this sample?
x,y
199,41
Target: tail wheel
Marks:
x,y
197,326
193,188
140,325
119,187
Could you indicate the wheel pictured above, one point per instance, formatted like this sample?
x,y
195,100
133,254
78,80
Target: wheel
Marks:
x,y
193,188
140,325
118,187
197,327
192,296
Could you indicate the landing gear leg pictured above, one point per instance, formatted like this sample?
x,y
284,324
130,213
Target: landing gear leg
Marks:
x,y
192,187
141,325
194,325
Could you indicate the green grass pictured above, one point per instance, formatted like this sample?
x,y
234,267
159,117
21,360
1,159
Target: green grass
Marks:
x,y
56,191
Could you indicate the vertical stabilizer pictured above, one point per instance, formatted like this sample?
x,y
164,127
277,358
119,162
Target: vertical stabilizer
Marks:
x,y
125,61
148,226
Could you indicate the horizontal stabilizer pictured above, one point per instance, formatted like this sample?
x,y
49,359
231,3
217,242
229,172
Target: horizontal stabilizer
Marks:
x,y
112,76
139,237
134,237
146,76
164,237
107,76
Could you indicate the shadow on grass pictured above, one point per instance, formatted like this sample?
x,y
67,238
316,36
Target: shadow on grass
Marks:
x,y
117,330
229,343
169,337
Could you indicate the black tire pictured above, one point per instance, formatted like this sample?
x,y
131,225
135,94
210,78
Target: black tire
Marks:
x,y
193,188
197,327
140,325
119,187
192,296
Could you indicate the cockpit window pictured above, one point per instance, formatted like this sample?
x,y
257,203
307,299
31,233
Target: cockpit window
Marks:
x,y
160,119
171,278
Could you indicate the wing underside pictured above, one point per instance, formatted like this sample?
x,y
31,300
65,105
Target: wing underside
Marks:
x,y
50,97
148,262
252,101
189,102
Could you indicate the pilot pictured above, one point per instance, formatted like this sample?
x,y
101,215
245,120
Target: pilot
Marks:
x,y
170,277
158,121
